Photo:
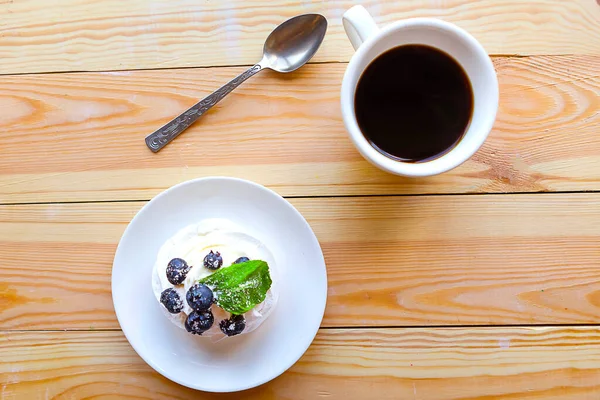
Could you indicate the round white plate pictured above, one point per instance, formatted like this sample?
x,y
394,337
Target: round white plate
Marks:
x,y
239,362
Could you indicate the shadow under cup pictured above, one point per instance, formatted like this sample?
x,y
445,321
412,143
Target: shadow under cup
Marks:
x,y
465,50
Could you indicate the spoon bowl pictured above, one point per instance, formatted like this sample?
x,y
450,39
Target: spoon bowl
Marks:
x,y
291,45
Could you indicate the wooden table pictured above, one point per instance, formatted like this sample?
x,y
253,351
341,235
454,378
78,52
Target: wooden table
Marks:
x,y
480,283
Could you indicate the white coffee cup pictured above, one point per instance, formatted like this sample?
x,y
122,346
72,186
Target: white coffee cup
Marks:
x,y
369,42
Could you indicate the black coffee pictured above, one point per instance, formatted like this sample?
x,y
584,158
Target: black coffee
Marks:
x,y
414,103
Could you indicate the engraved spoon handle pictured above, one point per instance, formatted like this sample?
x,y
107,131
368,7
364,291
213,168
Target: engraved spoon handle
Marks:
x,y
159,139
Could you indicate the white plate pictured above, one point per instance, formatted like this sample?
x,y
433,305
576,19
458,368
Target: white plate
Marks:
x,y
239,362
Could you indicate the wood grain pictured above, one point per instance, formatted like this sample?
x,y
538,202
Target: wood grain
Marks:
x,y
392,261
425,364
80,136
114,35
398,267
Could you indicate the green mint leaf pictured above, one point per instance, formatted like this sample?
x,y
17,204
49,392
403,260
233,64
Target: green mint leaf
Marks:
x,y
240,287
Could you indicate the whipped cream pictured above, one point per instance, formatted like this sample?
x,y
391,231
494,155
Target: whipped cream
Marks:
x,y
192,244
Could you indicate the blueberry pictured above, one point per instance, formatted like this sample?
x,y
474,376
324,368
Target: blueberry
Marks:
x,y
241,260
177,270
171,300
199,297
199,322
213,260
233,326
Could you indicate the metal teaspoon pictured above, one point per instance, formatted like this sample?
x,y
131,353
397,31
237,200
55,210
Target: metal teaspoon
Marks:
x,y
287,48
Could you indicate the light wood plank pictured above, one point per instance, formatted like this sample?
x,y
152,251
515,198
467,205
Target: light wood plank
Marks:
x,y
424,364
88,35
80,136
392,261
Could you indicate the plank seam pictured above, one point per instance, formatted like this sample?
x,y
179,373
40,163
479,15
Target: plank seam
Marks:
x,y
319,197
83,71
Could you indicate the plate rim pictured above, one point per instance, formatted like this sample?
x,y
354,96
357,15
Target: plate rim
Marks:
x,y
320,312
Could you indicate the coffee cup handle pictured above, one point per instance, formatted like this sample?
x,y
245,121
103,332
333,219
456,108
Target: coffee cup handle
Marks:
x,y
359,25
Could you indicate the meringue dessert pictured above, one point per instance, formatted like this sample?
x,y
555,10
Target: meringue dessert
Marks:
x,y
214,280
